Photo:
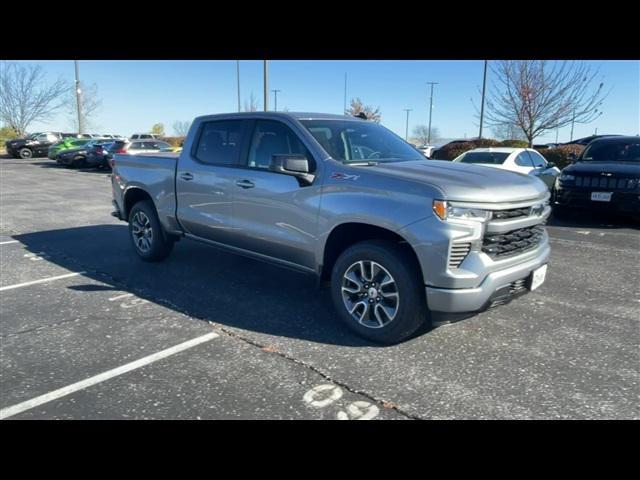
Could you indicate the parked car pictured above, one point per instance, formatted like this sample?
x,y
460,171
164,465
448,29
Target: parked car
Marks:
x,y
35,145
65,144
426,150
146,146
144,136
395,235
520,160
99,155
605,177
76,157
435,153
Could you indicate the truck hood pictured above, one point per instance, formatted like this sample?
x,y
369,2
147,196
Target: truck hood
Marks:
x,y
467,182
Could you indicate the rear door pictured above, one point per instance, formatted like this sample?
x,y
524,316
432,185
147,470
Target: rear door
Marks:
x,y
205,179
274,214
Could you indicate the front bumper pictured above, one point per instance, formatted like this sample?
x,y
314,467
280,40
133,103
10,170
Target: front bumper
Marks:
x,y
580,198
498,287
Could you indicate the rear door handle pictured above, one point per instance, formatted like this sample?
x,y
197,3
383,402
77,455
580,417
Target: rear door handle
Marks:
x,y
245,184
186,176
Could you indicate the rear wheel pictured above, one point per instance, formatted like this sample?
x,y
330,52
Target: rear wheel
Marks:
x,y
25,153
78,162
147,236
377,291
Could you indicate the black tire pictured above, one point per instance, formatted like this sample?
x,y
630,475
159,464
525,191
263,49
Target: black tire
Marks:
x,y
25,153
159,245
77,162
411,308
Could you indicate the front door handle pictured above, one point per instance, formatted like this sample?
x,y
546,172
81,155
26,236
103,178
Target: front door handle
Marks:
x,y
186,176
245,184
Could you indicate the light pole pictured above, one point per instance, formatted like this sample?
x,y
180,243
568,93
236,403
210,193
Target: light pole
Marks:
x,y
572,122
344,109
430,110
275,99
406,130
78,100
238,77
265,68
484,87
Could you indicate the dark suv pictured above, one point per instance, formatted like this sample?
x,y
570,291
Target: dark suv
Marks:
x,y
35,145
606,176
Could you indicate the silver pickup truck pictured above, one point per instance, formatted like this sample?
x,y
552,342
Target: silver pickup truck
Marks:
x,y
400,240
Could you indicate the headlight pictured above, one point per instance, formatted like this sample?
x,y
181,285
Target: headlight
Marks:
x,y
567,176
449,212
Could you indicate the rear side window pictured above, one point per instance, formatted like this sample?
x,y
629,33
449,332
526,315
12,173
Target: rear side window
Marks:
x,y
272,138
494,158
537,159
136,146
523,160
220,142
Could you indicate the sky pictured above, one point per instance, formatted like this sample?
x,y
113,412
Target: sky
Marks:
x,y
137,94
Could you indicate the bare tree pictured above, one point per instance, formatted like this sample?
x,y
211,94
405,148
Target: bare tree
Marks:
x,y
421,134
25,97
538,96
252,104
90,105
508,131
181,128
356,107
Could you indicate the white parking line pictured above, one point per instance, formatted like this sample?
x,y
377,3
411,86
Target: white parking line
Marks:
x,y
64,391
9,241
42,280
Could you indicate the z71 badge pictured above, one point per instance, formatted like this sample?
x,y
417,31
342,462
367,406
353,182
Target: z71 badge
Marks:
x,y
344,176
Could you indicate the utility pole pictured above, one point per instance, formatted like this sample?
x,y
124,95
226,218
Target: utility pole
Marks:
x,y
406,131
275,99
238,77
572,122
78,100
596,131
265,68
557,130
430,110
344,109
484,87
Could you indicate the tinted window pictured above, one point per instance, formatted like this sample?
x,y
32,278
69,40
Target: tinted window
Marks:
x,y
136,146
537,159
272,138
524,160
220,142
628,151
350,141
494,158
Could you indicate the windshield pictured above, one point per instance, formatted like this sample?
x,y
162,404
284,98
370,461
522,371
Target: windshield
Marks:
x,y
622,151
495,158
351,141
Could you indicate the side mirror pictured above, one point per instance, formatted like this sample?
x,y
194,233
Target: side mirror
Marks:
x,y
551,164
294,165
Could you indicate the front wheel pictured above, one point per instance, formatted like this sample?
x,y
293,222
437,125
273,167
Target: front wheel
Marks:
x,y
145,231
25,153
378,291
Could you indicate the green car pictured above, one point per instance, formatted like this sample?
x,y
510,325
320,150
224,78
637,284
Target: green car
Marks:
x,y
66,144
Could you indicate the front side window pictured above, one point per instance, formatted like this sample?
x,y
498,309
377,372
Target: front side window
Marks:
x,y
492,158
352,141
623,151
272,138
220,142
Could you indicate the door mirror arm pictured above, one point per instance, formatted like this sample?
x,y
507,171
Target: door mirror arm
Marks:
x,y
293,165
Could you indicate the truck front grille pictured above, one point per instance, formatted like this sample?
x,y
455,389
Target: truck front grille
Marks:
x,y
458,253
512,243
512,213
611,183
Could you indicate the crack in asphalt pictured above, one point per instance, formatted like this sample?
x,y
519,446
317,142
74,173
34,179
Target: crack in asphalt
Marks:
x,y
144,293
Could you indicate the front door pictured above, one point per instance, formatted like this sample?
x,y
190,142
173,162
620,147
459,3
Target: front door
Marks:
x,y
274,214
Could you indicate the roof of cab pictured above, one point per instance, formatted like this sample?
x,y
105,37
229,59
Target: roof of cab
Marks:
x,y
295,115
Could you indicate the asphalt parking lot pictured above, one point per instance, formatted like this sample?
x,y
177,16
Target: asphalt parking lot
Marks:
x,y
90,332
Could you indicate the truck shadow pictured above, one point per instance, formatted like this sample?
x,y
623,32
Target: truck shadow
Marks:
x,y
200,281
